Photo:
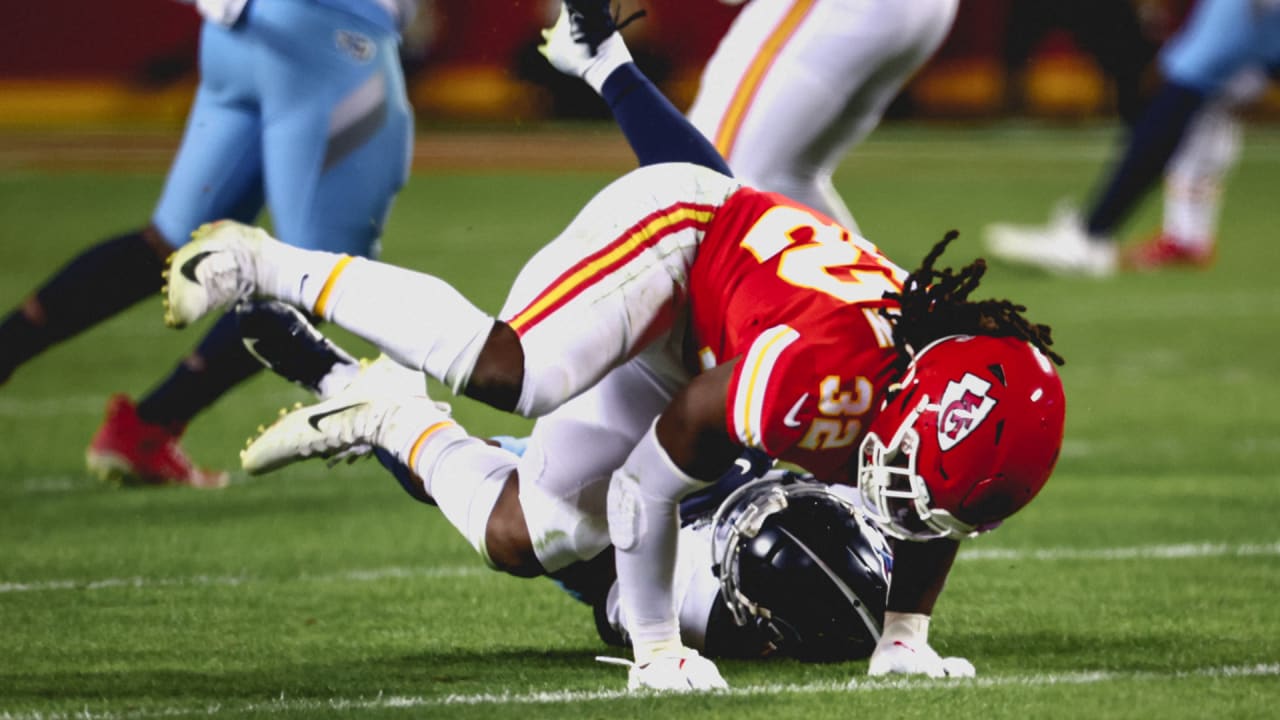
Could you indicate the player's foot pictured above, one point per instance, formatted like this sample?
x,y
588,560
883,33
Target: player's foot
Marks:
x,y
1062,247
1163,251
347,425
585,32
286,342
682,671
128,451
212,271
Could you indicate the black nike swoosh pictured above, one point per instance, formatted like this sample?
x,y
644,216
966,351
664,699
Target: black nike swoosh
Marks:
x,y
314,420
188,268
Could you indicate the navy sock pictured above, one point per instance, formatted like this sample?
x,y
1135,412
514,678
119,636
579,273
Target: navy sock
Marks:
x,y
95,285
656,130
220,363
1153,141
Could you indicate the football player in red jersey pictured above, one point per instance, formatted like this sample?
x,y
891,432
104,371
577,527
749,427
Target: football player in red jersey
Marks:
x,y
679,319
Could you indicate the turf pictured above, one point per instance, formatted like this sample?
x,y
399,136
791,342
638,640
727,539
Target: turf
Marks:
x,y
1140,584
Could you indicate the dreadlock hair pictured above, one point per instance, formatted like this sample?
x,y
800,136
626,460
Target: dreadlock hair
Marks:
x,y
935,304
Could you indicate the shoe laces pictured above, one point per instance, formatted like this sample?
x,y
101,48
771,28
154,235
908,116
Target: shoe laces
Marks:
x,y
227,276
592,28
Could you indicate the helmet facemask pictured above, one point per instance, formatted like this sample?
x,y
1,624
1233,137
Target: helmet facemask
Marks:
x,y
895,495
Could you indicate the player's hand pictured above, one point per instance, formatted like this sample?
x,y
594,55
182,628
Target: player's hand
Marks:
x,y
904,650
899,657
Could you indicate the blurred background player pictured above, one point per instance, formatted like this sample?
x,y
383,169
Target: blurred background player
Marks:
x,y
1223,42
639,339
301,105
794,84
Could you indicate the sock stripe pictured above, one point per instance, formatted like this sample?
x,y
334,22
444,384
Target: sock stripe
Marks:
x,y
422,440
322,301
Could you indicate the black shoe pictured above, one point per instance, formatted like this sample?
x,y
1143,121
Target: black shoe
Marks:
x,y
285,341
593,21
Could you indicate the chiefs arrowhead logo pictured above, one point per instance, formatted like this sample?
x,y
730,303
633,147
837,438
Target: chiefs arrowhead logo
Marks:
x,y
965,404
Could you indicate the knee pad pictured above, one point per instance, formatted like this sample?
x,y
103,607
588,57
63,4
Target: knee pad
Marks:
x,y
561,533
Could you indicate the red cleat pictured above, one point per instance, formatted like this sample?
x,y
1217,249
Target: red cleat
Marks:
x,y
1162,251
128,451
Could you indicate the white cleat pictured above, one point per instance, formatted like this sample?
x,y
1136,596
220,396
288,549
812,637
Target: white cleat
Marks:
x,y
384,397
212,271
585,32
1061,247
685,671
565,54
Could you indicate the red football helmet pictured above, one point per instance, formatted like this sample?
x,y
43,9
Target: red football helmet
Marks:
x,y
966,438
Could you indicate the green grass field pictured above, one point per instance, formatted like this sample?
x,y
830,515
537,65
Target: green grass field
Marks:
x,y
1140,584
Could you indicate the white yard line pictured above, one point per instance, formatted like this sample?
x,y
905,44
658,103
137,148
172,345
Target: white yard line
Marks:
x,y
1150,552
136,582
284,705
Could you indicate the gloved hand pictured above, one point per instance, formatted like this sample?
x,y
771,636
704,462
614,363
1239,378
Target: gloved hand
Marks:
x,y
904,649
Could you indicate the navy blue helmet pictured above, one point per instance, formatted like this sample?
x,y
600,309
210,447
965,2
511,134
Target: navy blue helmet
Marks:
x,y
798,562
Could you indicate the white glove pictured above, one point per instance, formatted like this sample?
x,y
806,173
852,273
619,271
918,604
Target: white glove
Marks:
x,y
904,649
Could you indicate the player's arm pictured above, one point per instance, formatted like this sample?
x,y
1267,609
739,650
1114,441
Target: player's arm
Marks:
x,y
920,570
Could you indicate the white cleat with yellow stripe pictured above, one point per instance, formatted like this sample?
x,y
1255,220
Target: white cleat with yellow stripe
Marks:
x,y
212,271
349,424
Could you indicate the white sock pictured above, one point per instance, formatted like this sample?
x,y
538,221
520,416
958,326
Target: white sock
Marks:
x,y
419,320
464,475
644,524
1191,211
611,53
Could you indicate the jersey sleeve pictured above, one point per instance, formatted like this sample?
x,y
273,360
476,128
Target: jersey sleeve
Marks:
x,y
805,400
768,403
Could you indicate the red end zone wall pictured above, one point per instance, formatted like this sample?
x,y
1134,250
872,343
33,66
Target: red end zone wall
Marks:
x,y
77,61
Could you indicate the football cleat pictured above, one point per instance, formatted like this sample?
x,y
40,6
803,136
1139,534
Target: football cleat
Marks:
x,y
583,27
1165,251
128,451
683,671
212,271
1062,247
345,426
286,342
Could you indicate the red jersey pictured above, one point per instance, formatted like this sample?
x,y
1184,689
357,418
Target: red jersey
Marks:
x,y
796,297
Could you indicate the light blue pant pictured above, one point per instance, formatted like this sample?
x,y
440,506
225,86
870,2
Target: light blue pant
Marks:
x,y
302,105
1220,38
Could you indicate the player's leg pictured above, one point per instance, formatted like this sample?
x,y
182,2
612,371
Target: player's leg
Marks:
x,y
1194,181
337,130
683,452
209,179
792,87
585,43
1216,43
604,288
215,174
95,285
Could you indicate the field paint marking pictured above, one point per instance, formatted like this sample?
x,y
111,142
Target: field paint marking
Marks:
x,y
856,685
1152,552
373,575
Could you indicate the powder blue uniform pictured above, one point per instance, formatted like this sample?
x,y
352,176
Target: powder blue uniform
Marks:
x,y
1220,38
301,103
